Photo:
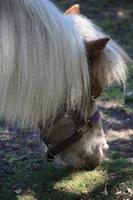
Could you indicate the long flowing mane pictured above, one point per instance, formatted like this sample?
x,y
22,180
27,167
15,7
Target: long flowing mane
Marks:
x,y
43,60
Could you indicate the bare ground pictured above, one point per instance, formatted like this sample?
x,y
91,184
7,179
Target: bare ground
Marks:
x,y
118,126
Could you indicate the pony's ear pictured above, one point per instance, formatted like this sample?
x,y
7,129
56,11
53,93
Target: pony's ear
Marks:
x,y
73,10
94,50
95,47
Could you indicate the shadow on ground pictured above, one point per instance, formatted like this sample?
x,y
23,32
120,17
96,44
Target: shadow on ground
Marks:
x,y
118,127
121,119
37,180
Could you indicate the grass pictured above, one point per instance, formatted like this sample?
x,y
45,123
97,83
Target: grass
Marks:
x,y
114,93
37,180
119,93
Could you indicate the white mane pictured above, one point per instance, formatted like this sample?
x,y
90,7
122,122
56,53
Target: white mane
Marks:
x,y
43,60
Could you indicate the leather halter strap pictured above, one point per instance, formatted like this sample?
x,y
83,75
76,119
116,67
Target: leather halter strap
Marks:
x,y
57,149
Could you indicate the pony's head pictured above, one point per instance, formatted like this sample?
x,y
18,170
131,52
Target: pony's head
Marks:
x,y
106,64
77,143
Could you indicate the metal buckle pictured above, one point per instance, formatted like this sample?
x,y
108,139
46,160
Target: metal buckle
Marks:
x,y
84,129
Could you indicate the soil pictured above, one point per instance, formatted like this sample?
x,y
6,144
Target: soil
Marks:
x,y
16,143
118,127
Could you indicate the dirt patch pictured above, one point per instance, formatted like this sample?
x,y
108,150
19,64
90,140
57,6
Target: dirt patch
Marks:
x,y
118,126
17,144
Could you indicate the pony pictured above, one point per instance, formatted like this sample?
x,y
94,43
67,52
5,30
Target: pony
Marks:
x,y
53,66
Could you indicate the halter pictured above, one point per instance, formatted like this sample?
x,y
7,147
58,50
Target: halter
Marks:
x,y
79,133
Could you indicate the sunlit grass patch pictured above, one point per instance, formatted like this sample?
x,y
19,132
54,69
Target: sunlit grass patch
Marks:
x,y
25,196
82,182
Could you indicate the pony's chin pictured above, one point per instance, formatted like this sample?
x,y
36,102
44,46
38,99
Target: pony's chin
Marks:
x,y
80,164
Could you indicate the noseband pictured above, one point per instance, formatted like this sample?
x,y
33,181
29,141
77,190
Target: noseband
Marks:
x,y
79,133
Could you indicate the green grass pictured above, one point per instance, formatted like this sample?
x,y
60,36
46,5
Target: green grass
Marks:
x,y
118,93
114,93
38,180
